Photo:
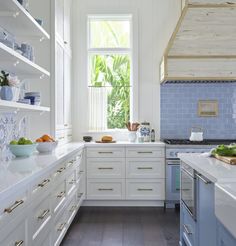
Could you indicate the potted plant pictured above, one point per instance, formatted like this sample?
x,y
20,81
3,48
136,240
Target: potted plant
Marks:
x,y
6,90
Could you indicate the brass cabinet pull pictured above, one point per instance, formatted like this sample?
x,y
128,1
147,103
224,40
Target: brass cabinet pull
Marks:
x,y
61,227
19,243
13,207
73,208
44,214
61,194
141,189
110,189
105,168
72,181
59,171
46,181
70,163
105,152
145,168
187,230
145,152
80,195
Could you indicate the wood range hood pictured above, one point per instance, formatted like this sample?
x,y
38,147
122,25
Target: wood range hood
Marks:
x,y
203,45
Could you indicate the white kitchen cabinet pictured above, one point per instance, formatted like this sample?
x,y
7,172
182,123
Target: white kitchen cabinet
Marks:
x,y
41,212
126,173
62,119
149,189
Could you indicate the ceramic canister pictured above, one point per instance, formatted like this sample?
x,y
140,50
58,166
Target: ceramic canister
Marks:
x,y
145,131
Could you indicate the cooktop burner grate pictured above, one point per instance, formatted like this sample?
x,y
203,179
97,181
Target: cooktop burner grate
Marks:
x,y
204,142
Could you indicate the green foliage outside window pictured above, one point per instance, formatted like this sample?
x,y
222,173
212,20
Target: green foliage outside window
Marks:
x,y
113,72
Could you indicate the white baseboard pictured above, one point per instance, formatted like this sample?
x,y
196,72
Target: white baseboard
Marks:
x,y
96,203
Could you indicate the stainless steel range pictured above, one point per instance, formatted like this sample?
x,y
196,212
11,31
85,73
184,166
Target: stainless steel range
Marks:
x,y
175,146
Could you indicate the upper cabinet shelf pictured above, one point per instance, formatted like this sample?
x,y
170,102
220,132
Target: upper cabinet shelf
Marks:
x,y
14,62
15,19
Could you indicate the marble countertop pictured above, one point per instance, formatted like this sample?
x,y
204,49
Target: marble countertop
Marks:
x,y
21,171
224,177
211,168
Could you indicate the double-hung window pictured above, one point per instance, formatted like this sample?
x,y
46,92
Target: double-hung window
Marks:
x,y
109,71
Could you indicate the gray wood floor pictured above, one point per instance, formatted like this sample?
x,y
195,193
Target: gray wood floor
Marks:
x,y
102,226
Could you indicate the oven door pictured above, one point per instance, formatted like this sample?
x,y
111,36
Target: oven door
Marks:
x,y
173,181
188,191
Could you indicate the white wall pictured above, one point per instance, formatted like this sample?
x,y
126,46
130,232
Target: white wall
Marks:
x,y
155,20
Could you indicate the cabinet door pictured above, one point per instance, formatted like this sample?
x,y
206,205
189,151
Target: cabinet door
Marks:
x,y
60,19
59,86
67,90
206,219
224,237
67,22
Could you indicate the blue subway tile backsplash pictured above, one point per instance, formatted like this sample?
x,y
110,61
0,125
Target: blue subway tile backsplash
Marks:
x,y
179,110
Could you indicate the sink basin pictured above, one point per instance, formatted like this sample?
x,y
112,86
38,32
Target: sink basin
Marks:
x,y
225,205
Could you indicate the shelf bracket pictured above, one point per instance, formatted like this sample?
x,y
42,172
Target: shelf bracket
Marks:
x,y
9,14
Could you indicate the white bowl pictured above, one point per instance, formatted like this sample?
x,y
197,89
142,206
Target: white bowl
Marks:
x,y
46,147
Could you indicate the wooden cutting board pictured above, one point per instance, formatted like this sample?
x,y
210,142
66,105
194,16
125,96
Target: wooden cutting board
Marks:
x,y
226,159
105,141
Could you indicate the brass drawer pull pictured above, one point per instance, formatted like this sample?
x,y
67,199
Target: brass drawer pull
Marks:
x,y
62,194
59,171
187,230
13,207
80,195
105,189
19,243
145,152
70,163
46,181
141,189
105,168
105,152
44,214
61,227
145,168
72,181
73,208
80,172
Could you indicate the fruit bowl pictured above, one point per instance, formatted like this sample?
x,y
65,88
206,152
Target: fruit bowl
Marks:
x,y
46,147
22,150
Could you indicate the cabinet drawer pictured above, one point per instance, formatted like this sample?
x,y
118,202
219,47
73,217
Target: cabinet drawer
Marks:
x,y
106,168
108,189
105,152
14,234
41,215
71,182
145,168
188,227
41,186
71,209
58,196
140,189
13,205
145,152
59,228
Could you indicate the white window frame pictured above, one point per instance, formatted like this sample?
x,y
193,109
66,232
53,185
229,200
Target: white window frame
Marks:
x,y
132,52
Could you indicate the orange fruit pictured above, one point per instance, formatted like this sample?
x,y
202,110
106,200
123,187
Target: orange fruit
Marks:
x,y
47,138
39,140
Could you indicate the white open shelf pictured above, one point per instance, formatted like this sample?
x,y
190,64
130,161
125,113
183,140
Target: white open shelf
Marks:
x,y
18,64
6,106
15,19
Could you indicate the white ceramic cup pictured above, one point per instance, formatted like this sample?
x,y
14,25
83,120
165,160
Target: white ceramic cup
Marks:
x,y
132,136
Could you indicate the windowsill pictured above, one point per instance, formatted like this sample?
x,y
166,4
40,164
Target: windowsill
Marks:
x,y
108,131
